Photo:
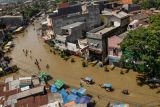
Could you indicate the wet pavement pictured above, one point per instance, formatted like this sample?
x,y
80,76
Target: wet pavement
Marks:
x,y
72,72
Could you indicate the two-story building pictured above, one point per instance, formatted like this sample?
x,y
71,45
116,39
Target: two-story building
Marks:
x,y
97,41
89,14
114,50
115,23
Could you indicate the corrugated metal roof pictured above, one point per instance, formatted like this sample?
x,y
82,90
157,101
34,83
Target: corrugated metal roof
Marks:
x,y
27,93
13,84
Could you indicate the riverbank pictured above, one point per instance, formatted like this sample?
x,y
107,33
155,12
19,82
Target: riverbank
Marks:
x,y
72,72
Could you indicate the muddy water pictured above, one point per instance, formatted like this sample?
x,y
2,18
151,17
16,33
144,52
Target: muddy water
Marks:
x,y
71,72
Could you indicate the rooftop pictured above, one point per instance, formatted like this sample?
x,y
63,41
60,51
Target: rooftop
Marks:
x,y
26,93
104,30
139,16
72,25
60,38
117,13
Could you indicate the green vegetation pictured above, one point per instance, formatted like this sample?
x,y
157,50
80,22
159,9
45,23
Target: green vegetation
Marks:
x,y
141,49
72,60
146,4
84,64
106,69
29,11
64,1
62,54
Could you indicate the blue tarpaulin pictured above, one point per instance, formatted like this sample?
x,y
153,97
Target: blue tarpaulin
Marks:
x,y
72,97
74,91
84,100
53,89
81,91
107,85
88,78
63,93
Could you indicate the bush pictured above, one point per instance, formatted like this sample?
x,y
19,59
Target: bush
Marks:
x,y
106,69
84,64
66,58
121,72
72,60
62,54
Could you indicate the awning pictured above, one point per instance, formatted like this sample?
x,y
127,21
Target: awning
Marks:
x,y
63,93
84,100
113,58
72,97
81,91
59,84
74,91
18,29
53,89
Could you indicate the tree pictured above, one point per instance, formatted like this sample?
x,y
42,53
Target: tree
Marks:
x,y
135,1
141,48
146,4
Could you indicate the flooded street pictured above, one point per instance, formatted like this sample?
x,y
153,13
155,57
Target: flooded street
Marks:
x,y
72,72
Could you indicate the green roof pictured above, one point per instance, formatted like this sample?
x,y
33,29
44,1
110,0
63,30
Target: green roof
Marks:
x,y
59,84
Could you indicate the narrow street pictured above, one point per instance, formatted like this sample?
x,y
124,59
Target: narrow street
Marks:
x,y
72,72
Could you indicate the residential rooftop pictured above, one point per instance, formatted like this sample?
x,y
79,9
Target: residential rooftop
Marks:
x,y
104,30
72,25
117,13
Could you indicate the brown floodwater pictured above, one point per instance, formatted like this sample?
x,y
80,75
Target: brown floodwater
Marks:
x,y
72,72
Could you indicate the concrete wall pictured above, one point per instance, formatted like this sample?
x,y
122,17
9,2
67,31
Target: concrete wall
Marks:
x,y
115,20
95,43
125,21
93,18
119,22
63,21
76,33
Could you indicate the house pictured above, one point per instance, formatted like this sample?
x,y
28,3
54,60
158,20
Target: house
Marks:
x,y
11,21
114,51
69,15
115,18
130,8
115,23
97,41
73,31
25,81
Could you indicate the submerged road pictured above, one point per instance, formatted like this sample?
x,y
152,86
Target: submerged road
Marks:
x,y
72,72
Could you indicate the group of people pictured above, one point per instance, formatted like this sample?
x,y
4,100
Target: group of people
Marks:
x,y
36,62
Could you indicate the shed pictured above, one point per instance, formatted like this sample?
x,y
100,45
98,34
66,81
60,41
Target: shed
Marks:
x,y
35,81
13,84
24,83
53,97
9,79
